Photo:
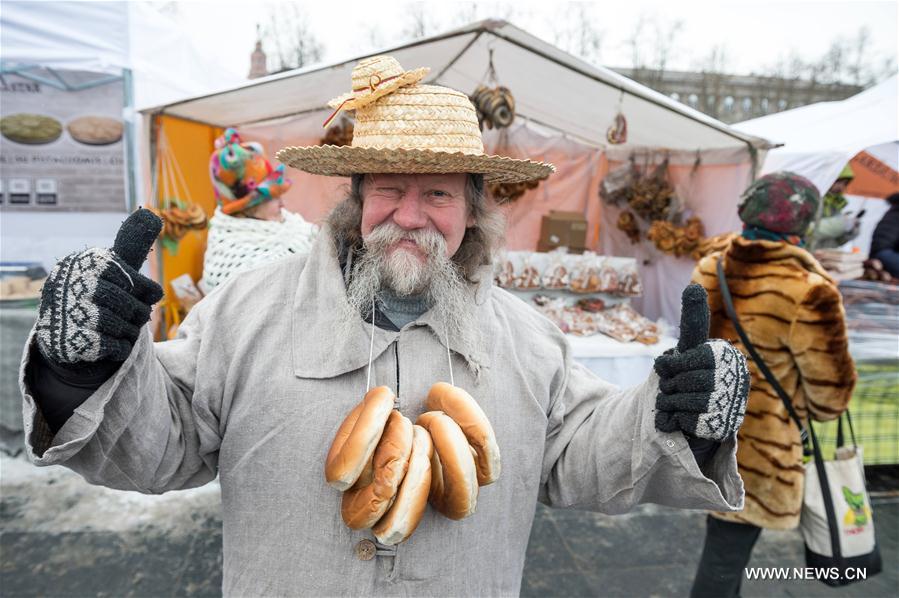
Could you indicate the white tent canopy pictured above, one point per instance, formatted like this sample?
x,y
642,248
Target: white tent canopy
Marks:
x,y
109,37
818,140
551,88
157,57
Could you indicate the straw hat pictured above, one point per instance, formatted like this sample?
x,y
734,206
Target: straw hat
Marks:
x,y
373,78
407,128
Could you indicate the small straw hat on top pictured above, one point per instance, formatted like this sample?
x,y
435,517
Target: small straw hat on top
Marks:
x,y
406,128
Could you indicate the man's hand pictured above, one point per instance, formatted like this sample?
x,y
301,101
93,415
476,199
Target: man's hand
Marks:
x,y
703,384
95,302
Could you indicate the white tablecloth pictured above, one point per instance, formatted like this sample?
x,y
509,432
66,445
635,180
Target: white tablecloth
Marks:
x,y
624,364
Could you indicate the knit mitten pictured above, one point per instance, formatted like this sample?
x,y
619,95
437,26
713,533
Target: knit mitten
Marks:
x,y
703,384
95,302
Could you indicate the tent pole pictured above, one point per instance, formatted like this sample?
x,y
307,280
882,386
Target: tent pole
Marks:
x,y
272,118
131,160
155,124
564,134
436,78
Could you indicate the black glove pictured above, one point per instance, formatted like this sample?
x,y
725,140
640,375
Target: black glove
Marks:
x,y
95,302
703,384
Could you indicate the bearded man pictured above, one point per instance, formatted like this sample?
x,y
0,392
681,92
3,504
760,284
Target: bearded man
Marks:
x,y
397,291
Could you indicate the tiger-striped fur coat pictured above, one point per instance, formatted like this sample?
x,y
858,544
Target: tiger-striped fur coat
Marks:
x,y
792,312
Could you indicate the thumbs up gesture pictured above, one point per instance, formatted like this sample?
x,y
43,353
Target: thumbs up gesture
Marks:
x,y
95,301
703,384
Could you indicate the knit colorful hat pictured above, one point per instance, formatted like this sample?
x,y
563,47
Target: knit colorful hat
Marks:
x,y
241,174
781,202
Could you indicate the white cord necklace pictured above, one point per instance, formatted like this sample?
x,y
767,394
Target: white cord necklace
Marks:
x,y
449,357
371,347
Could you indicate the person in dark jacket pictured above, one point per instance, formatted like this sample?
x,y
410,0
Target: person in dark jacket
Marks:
x,y
885,240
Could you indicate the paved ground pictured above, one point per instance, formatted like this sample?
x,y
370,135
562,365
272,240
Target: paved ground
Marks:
x,y
654,553
61,537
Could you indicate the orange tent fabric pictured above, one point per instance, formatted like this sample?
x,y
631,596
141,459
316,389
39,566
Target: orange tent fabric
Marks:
x,y
873,178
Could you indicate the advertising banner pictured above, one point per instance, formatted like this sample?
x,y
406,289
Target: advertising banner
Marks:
x,y
62,145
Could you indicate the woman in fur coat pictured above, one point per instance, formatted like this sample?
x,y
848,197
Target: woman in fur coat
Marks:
x,y
793,313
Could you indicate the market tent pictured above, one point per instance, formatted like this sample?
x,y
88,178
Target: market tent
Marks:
x,y
820,139
158,61
564,107
551,87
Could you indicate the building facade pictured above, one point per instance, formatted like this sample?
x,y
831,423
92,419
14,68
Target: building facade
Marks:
x,y
735,98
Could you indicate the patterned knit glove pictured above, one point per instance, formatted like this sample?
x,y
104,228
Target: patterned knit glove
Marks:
x,y
95,302
703,384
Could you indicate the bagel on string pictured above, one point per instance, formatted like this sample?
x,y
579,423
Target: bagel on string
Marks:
x,y
400,521
356,439
465,411
454,479
363,505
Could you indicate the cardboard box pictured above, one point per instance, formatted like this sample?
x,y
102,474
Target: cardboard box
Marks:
x,y
563,229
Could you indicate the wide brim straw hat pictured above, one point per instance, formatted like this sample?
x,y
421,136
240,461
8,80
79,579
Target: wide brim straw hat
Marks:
x,y
408,128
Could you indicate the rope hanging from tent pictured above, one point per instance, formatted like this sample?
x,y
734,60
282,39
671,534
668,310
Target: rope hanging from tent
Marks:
x,y
494,103
495,107
175,206
617,133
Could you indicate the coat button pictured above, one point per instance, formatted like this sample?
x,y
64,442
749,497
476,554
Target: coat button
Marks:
x,y
365,550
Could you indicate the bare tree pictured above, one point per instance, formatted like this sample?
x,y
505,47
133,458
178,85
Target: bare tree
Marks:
x,y
713,70
418,23
653,43
288,38
860,46
887,68
375,39
587,37
466,13
666,42
846,61
575,31
635,41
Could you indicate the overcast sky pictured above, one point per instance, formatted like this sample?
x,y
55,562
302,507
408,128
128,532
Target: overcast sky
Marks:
x,y
755,35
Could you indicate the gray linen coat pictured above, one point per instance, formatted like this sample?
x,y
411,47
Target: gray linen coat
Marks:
x,y
261,376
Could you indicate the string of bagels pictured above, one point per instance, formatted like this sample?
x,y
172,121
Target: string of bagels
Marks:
x,y
389,468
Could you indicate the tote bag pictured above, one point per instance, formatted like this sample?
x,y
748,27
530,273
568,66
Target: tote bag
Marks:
x,y
836,522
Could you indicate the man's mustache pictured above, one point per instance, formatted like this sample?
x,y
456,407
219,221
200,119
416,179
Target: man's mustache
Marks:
x,y
430,241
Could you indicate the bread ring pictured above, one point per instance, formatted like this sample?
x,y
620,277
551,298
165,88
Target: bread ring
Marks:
x,y
409,507
466,412
454,478
357,438
362,506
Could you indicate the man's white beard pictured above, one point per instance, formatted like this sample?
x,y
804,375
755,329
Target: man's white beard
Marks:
x,y
436,278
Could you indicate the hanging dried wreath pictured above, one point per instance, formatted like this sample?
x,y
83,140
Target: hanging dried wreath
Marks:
x,y
339,134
